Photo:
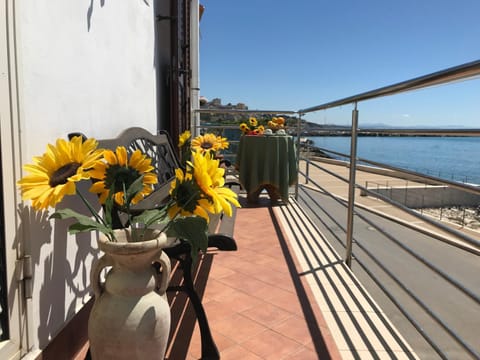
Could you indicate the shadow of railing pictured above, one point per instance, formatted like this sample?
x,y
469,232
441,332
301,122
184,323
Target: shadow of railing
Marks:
x,y
183,314
318,339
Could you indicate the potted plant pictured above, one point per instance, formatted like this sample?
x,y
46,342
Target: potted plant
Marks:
x,y
131,317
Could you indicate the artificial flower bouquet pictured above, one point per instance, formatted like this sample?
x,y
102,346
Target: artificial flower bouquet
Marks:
x,y
277,123
121,180
253,126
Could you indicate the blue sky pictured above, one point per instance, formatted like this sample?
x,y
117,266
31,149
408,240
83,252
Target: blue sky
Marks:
x,y
290,55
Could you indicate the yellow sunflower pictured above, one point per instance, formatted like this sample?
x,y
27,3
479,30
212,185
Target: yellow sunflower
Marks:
x,y
183,138
120,172
222,143
187,197
210,178
205,143
54,174
253,121
244,127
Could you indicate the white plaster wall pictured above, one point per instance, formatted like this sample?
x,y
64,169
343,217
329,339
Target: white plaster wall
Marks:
x,y
84,65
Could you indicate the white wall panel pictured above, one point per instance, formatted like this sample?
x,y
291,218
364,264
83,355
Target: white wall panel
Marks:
x,y
82,66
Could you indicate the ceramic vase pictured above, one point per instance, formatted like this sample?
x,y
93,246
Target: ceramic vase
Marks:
x,y
130,318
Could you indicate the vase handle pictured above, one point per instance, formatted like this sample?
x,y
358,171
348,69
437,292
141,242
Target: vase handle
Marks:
x,y
163,278
103,262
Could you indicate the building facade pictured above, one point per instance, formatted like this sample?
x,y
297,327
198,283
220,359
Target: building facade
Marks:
x,y
95,67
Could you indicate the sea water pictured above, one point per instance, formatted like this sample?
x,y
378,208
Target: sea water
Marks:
x,y
451,158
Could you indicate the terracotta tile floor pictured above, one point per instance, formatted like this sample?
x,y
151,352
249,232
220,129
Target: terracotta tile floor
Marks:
x,y
257,305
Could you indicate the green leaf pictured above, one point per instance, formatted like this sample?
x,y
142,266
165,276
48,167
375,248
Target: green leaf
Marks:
x,y
149,217
67,214
133,190
193,229
109,206
83,224
83,227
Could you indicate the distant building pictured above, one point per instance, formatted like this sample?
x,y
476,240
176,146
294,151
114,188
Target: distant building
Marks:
x,y
217,104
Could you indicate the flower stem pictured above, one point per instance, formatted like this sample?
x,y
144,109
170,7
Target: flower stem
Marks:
x,y
92,210
97,217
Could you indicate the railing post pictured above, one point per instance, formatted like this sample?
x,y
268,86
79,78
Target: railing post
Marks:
x,y
351,187
299,130
406,194
307,170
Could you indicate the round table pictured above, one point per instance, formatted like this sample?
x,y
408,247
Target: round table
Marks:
x,y
267,162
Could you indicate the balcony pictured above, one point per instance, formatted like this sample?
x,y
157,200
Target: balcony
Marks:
x,y
257,303
345,270
287,294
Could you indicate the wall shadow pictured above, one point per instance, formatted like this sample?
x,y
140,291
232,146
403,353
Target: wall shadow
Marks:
x,y
90,12
60,285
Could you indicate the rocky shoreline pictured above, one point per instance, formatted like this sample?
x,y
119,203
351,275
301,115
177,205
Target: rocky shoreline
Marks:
x,y
468,217
306,148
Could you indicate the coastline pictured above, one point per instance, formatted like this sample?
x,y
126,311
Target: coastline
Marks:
x,y
441,157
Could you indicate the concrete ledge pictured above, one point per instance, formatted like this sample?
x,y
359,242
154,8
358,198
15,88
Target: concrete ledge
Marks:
x,y
428,196
372,169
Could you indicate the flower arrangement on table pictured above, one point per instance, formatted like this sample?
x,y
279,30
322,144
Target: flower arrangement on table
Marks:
x,y
122,180
277,123
253,126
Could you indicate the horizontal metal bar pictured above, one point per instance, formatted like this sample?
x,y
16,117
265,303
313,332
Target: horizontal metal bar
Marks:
x,y
428,132
474,189
428,310
468,239
238,111
219,126
454,184
390,132
456,73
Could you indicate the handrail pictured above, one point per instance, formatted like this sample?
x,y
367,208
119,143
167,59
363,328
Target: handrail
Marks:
x,y
406,132
456,73
474,189
474,243
240,111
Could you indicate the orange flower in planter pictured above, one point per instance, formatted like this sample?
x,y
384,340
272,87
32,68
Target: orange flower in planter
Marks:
x,y
276,123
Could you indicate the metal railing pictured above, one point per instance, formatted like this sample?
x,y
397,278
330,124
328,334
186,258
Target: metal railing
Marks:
x,y
457,73
367,260
408,302
466,71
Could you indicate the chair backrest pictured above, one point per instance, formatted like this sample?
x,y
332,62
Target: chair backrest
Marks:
x,y
160,149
